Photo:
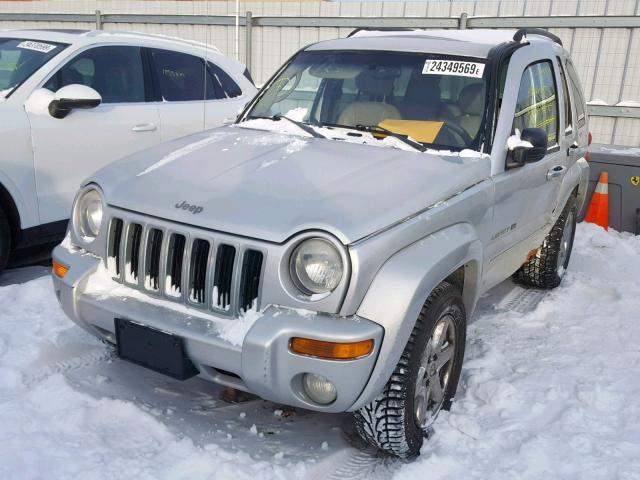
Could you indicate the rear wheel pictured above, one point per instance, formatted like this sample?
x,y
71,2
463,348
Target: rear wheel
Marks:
x,y
424,381
547,267
5,240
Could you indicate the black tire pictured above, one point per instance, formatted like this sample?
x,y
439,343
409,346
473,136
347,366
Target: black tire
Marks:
x,y
5,240
546,268
389,423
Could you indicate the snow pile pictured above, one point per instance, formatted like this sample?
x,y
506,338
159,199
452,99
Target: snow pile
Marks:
x,y
284,128
552,393
515,141
234,331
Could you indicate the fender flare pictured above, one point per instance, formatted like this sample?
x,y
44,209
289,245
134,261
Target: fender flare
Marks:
x,y
403,284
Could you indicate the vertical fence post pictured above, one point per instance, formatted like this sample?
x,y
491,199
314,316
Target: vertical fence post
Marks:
x,y
248,25
98,20
462,23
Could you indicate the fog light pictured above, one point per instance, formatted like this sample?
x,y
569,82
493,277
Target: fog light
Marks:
x,y
319,389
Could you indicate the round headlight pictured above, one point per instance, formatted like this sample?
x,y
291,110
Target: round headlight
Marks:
x,y
316,266
88,215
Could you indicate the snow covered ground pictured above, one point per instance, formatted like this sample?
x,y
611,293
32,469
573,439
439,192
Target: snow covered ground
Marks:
x,y
550,389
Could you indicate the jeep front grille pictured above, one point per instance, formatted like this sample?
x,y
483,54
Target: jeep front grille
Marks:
x,y
196,269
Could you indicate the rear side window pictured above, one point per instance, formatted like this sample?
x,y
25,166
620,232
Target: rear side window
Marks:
x,y
577,94
115,72
180,77
220,84
537,104
568,110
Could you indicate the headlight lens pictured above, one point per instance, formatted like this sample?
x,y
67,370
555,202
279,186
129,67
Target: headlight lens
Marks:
x,y
316,266
88,215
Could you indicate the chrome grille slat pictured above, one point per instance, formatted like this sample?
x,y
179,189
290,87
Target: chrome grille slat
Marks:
x,y
176,251
223,278
132,253
194,269
198,271
250,280
153,249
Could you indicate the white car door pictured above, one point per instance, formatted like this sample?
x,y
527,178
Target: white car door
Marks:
x,y
192,94
68,150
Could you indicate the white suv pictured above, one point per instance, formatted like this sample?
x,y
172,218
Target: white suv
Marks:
x,y
72,101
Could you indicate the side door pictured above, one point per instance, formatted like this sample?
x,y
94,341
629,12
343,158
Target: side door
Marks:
x,y
179,80
525,195
68,150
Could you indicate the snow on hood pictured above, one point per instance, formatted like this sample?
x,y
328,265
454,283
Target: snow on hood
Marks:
x,y
267,185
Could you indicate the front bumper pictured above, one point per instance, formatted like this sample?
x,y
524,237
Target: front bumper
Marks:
x,y
263,364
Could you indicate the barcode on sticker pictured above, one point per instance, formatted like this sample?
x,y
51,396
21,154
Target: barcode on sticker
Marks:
x,y
453,67
36,46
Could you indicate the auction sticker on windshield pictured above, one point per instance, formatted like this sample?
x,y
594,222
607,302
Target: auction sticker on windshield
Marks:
x,y
37,46
453,67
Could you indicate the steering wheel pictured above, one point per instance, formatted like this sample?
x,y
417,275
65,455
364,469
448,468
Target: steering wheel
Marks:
x,y
282,93
458,131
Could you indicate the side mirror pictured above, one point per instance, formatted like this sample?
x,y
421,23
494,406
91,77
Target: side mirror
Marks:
x,y
71,97
528,147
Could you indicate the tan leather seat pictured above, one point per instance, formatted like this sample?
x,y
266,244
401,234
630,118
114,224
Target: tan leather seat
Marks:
x,y
471,104
374,109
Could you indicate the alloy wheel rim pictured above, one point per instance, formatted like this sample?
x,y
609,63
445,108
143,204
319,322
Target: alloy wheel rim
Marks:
x,y
565,242
434,371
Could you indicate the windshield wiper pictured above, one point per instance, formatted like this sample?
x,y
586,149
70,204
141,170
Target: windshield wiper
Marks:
x,y
420,147
301,125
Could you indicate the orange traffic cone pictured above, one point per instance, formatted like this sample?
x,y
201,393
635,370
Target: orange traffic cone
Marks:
x,y
598,211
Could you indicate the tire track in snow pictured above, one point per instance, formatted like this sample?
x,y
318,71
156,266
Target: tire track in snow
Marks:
x,y
365,465
37,375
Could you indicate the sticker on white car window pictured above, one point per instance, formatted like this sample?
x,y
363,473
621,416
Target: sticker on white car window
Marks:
x,y
453,67
36,46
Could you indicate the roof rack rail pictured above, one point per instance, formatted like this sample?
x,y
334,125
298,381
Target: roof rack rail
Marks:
x,y
536,31
380,29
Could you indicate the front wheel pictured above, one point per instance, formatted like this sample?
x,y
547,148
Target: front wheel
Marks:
x,y
546,268
424,381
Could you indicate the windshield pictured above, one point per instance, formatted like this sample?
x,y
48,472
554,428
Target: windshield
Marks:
x,y
20,58
436,100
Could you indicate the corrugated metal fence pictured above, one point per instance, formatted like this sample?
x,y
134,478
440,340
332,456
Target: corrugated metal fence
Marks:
x,y
602,35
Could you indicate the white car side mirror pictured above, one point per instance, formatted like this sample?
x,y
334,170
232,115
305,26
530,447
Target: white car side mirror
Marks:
x,y
72,97
229,120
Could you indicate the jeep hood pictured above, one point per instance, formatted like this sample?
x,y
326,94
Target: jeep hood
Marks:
x,y
270,186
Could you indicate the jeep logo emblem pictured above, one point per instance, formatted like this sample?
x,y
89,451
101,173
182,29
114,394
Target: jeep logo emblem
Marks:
x,y
195,209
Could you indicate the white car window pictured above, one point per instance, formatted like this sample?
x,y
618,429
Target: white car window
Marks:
x,y
180,77
115,72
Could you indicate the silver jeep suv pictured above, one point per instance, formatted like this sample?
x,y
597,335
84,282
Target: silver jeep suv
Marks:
x,y
327,250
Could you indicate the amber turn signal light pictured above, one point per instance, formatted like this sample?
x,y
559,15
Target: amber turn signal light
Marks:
x,y
331,350
59,270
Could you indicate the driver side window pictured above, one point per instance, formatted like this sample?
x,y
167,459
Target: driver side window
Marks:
x,y
115,72
537,103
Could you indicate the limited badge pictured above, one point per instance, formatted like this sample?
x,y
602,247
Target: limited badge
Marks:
x,y
635,180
